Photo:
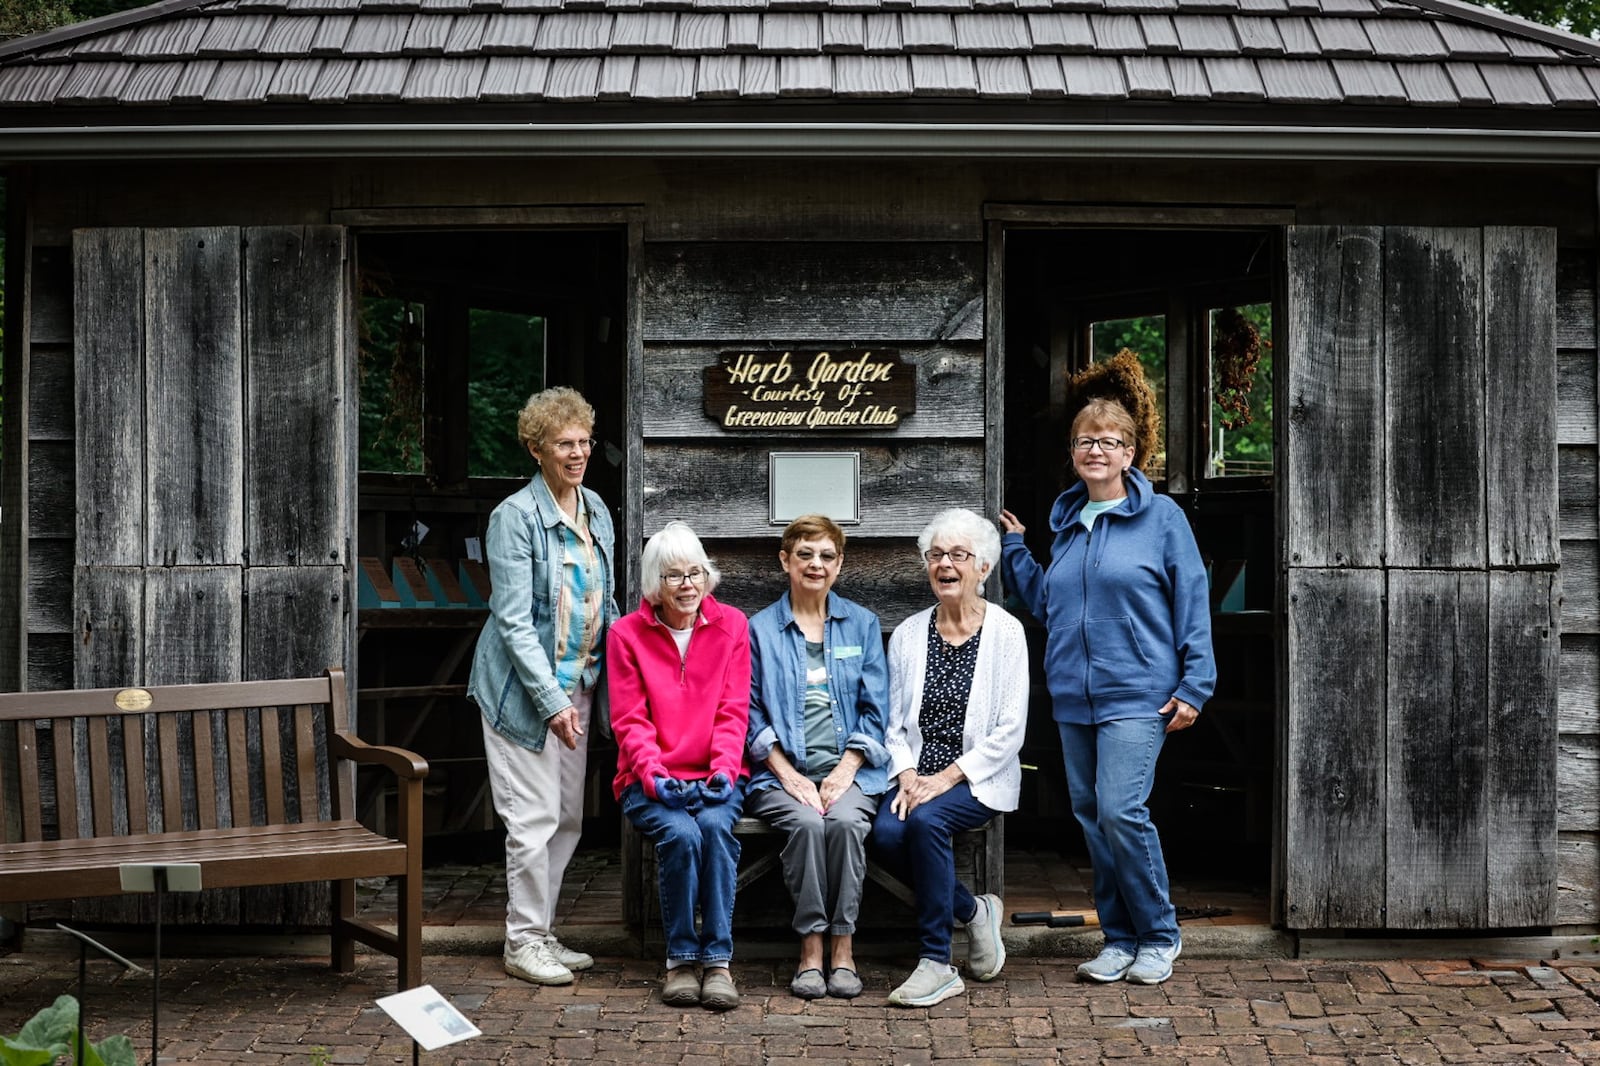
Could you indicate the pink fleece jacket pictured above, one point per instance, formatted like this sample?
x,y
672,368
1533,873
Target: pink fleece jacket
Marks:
x,y
684,719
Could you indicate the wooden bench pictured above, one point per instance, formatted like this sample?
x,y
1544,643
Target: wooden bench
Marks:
x,y
980,862
95,778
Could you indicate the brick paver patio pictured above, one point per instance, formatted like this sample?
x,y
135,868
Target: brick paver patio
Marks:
x,y
269,1011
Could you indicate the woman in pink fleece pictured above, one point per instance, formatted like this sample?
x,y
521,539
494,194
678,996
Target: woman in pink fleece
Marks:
x,y
679,676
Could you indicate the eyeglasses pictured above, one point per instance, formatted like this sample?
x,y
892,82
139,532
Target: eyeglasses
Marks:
x,y
1107,444
567,447
675,579
805,555
957,555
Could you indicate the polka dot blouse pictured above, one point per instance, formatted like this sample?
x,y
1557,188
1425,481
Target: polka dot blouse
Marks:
x,y
944,698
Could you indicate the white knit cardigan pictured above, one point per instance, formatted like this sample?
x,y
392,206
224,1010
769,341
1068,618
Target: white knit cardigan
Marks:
x,y
997,707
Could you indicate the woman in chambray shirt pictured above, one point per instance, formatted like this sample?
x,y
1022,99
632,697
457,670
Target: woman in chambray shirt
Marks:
x,y
819,695
536,670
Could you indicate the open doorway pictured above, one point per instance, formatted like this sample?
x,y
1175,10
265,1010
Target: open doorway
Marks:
x,y
456,329
1198,307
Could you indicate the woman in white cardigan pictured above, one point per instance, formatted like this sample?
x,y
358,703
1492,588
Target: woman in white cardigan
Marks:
x,y
958,707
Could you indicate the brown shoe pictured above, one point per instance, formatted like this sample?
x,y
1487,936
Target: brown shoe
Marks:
x,y
681,988
717,991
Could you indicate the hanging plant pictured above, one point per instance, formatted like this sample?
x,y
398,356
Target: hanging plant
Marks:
x,y
1235,354
391,368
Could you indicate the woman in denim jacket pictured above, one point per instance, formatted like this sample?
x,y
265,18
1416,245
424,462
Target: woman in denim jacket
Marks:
x,y
537,668
819,694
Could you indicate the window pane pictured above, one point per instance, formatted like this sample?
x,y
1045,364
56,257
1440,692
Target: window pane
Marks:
x,y
505,366
1146,337
1241,391
391,385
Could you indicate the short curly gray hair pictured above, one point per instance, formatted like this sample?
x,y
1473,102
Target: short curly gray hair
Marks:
x,y
551,411
962,527
673,543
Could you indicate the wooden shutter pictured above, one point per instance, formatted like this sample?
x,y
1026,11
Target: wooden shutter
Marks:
x,y
213,482
1420,469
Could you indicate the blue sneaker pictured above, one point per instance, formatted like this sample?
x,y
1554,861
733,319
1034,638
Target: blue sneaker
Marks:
x,y
1112,964
1154,963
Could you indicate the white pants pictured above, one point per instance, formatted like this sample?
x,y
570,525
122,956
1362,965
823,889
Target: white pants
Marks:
x,y
539,797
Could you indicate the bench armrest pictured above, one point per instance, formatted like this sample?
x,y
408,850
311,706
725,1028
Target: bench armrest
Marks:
x,y
403,763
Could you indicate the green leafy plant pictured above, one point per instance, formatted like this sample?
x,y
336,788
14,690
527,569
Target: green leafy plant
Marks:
x,y
52,1034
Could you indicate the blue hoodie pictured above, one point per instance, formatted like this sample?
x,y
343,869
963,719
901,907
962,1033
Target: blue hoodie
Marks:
x,y
1128,609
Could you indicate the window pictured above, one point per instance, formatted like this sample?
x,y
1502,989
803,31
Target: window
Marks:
x,y
1239,343
505,365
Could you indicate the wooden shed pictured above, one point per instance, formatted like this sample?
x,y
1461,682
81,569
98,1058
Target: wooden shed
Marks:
x,y
216,206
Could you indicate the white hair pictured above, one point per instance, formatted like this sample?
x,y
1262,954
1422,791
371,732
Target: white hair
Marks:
x,y
964,527
674,543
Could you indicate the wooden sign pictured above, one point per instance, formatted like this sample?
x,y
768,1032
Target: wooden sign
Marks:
x,y
851,390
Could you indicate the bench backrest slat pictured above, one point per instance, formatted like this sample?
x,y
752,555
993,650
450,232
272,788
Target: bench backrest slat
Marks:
x,y
305,746
133,760
272,763
100,778
238,755
170,773
28,758
170,758
66,782
205,778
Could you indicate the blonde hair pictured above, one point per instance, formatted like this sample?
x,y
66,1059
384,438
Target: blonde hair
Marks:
x,y
550,411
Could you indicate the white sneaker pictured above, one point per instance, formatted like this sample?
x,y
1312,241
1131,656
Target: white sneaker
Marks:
x,y
535,962
986,952
931,982
572,960
1112,964
1154,963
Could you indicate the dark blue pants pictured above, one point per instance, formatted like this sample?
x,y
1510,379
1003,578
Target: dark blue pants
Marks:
x,y
919,852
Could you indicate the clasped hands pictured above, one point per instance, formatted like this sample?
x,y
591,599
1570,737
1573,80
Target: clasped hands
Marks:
x,y
819,798
680,795
916,789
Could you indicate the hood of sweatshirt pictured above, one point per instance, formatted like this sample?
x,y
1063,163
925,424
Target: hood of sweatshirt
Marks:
x,y
1064,514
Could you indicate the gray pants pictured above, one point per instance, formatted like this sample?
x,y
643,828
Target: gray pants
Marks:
x,y
824,857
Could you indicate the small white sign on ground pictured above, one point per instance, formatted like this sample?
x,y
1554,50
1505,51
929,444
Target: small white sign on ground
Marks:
x,y
428,1018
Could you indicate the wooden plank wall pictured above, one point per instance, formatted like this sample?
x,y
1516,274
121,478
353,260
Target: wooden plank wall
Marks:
x,y
1427,587
188,503
1578,701
923,298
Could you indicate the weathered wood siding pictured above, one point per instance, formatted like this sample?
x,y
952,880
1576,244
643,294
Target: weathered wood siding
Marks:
x,y
189,497
1578,701
924,299
1425,617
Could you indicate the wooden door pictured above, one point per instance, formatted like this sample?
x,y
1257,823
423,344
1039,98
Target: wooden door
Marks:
x,y
1422,586
213,480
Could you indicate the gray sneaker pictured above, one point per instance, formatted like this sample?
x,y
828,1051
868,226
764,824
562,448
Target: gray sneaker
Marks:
x,y
1112,964
931,982
986,952
1154,963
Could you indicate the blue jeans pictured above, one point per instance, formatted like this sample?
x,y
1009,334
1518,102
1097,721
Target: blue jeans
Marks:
x,y
919,852
1110,768
697,856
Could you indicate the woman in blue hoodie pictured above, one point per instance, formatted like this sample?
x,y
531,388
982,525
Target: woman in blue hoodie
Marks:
x,y
1128,659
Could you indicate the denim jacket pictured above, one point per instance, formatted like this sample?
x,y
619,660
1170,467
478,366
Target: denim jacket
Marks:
x,y
858,688
513,676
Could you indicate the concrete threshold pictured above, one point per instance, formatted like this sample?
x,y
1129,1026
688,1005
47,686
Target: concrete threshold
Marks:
x,y
1199,942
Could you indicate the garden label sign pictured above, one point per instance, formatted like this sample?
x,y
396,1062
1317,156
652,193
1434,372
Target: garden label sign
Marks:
x,y
854,389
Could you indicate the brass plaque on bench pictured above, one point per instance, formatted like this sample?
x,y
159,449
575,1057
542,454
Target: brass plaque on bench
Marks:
x,y
133,699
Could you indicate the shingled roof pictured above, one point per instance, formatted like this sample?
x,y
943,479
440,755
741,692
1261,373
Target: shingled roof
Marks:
x,y
213,57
